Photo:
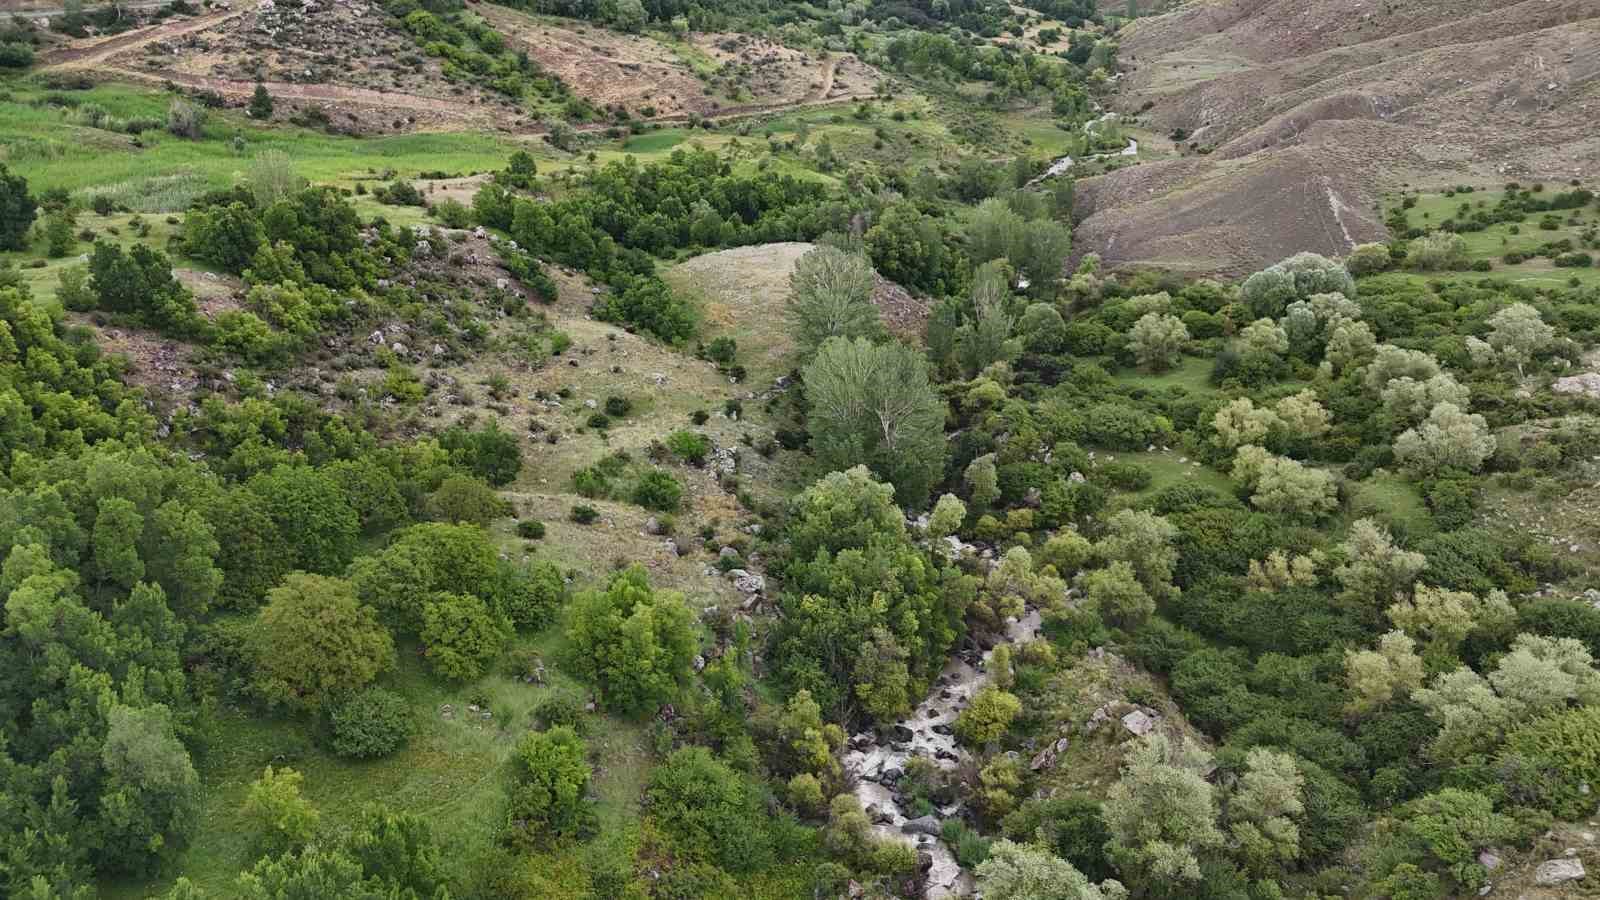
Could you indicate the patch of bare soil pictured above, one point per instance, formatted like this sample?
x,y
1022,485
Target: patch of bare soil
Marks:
x,y
605,67
650,79
343,58
162,366
744,292
1297,117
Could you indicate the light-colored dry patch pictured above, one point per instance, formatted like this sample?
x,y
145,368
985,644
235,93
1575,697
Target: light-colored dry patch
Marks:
x,y
605,67
213,292
461,190
744,293
1291,100
714,75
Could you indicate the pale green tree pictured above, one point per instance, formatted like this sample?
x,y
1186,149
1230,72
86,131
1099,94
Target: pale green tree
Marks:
x,y
1408,401
1378,676
1242,422
1449,439
983,481
987,338
1350,344
1157,340
1144,540
1374,567
1115,592
1438,252
1368,259
1281,571
830,295
1472,718
948,514
1540,674
987,717
1291,489
1543,673
993,230
1269,292
1446,617
1518,333
1066,551
872,404
283,818
1026,872
1263,810
1162,813
1302,415
1390,362
1264,336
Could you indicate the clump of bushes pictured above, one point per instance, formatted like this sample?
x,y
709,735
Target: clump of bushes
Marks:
x,y
370,723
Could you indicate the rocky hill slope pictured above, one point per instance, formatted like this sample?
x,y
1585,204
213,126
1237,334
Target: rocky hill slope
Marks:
x,y
1296,117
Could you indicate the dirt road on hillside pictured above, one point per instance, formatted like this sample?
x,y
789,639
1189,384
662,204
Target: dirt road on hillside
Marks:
x,y
95,51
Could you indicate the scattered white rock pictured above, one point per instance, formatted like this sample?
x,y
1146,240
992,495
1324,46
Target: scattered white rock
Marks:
x,y
1139,722
1558,871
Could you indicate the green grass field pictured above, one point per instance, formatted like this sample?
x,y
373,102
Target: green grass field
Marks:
x,y
452,771
50,153
1494,242
1193,374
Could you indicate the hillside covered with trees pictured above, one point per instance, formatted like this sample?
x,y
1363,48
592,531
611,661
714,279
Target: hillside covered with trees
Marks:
x,y
552,498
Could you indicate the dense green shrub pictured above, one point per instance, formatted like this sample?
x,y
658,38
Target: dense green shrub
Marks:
x,y
690,446
709,812
370,723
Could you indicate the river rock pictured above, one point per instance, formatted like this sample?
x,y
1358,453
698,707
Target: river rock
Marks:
x,y
929,825
1554,871
900,733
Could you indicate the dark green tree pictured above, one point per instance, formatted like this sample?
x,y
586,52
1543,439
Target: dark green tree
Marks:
x,y
260,103
17,210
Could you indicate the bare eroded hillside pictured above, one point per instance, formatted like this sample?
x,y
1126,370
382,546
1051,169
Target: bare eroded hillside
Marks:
x,y
1295,117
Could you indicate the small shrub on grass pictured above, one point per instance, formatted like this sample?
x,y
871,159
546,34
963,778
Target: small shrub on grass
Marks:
x,y
531,529
1128,476
561,711
658,490
692,447
584,514
373,722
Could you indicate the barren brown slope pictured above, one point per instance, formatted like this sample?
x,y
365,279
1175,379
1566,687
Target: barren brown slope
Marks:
x,y
1310,111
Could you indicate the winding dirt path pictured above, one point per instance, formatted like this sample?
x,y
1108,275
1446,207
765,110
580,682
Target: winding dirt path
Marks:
x,y
92,52
97,54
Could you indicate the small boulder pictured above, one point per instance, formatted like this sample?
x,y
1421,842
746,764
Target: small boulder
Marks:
x,y
1556,871
929,825
1139,722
